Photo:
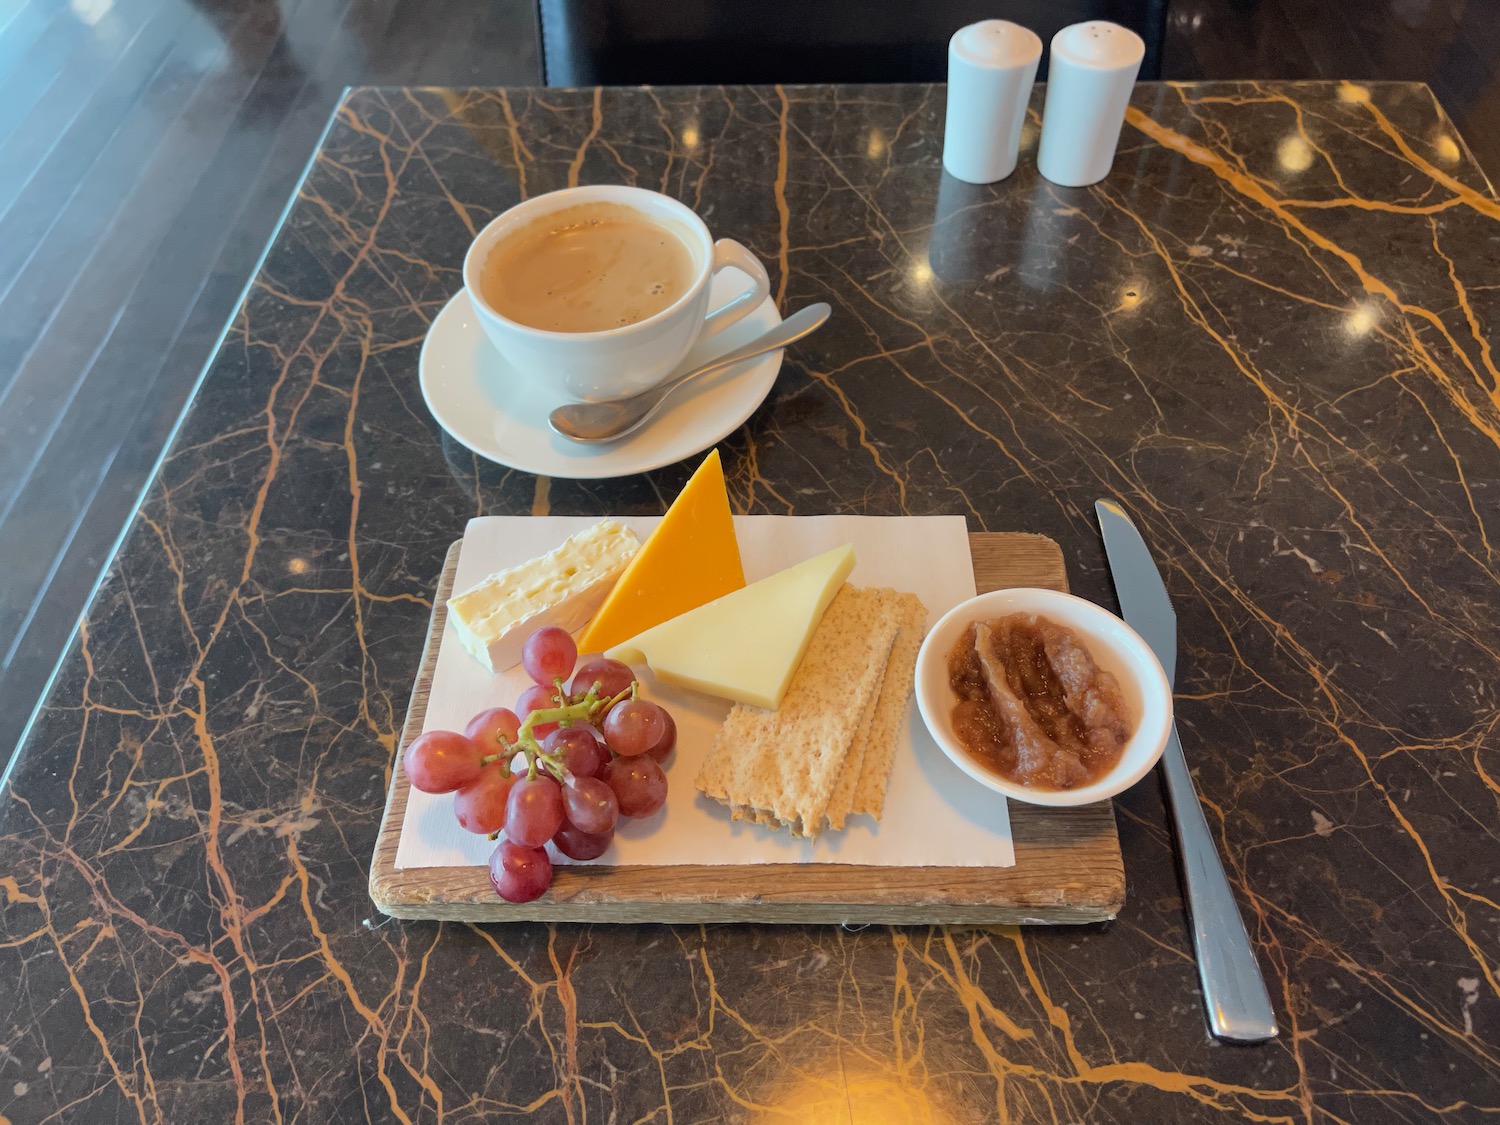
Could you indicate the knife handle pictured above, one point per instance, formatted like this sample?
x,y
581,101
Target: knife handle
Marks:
x,y
1234,991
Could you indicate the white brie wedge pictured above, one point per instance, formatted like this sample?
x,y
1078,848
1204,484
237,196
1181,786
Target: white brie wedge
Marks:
x,y
564,587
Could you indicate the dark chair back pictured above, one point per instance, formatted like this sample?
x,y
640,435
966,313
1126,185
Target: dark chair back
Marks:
x,y
723,42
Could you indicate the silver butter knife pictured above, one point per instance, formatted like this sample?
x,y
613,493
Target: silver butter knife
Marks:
x,y
1234,992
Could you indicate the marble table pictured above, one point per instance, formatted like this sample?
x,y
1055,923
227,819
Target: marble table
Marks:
x,y
1269,331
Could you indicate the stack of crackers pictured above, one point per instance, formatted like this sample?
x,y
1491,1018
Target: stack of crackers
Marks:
x,y
826,753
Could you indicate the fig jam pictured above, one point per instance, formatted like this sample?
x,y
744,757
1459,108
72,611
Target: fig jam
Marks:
x,y
1032,704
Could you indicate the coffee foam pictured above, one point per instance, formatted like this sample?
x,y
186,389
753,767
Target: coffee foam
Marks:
x,y
587,268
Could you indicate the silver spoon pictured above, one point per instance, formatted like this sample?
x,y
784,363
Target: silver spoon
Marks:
x,y
591,422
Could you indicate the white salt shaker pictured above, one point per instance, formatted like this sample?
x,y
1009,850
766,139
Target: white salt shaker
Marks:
x,y
1090,76
991,66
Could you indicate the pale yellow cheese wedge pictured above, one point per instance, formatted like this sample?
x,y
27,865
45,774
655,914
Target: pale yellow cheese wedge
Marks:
x,y
745,645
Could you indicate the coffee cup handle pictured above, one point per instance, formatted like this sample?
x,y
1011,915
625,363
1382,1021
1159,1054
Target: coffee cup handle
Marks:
x,y
728,252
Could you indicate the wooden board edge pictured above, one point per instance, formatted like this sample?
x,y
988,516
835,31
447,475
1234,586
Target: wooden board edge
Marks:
x,y
384,875
1030,892
1047,559
719,912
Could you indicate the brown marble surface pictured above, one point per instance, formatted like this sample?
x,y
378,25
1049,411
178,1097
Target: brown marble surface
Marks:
x,y
1268,331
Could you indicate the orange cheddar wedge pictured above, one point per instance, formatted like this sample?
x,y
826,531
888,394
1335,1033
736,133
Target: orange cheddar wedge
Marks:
x,y
690,559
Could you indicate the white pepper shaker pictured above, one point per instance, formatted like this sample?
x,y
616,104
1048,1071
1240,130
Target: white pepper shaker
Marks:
x,y
991,66
1090,76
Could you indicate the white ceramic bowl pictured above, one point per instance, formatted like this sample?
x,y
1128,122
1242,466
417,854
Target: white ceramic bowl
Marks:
x,y
1115,647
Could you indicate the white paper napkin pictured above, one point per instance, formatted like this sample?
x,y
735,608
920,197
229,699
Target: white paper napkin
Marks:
x,y
935,816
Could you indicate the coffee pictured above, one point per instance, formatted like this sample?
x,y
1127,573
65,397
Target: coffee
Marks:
x,y
587,268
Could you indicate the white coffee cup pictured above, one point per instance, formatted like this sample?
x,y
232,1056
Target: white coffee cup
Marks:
x,y
617,362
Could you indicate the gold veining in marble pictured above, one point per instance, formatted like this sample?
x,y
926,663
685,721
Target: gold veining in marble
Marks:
x,y
1269,331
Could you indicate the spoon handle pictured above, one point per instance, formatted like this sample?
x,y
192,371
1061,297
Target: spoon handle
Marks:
x,y
594,422
789,331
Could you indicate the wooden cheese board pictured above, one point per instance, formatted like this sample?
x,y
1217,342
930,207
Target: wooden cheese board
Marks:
x,y
1068,866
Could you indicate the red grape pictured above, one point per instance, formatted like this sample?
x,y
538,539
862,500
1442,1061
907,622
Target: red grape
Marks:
x,y
612,676
480,805
581,753
578,844
592,731
533,811
494,730
589,658
518,873
537,698
440,761
590,805
549,654
668,741
633,727
639,785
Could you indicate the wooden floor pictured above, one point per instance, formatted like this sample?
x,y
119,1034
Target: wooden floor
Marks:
x,y
147,148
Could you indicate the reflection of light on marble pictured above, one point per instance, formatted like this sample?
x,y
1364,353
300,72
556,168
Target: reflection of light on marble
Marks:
x,y
297,566
91,11
920,270
690,137
955,252
1353,93
876,146
1132,294
1028,134
1294,153
1361,321
867,1097
1447,149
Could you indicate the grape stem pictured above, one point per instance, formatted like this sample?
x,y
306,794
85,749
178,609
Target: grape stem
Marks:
x,y
583,710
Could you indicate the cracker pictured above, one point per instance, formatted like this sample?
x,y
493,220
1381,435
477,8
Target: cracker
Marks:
x,y
785,763
764,817
841,800
889,713
754,815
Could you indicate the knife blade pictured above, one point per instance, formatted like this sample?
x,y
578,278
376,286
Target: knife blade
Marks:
x,y
1234,991
1144,603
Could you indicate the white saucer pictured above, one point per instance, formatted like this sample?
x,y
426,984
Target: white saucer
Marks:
x,y
488,406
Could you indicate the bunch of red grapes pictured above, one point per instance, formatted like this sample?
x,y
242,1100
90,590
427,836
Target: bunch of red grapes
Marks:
x,y
572,758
